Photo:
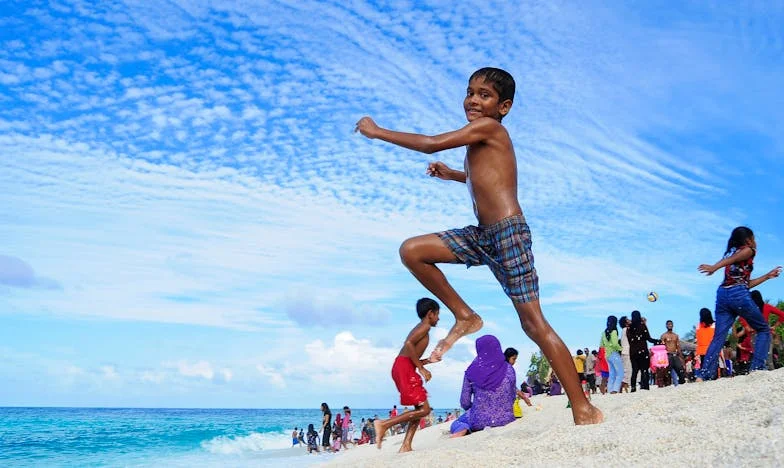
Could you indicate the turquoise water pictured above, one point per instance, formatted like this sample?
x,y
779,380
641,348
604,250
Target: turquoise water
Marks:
x,y
71,437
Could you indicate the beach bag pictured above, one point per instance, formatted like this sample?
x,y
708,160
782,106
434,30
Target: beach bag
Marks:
x,y
659,357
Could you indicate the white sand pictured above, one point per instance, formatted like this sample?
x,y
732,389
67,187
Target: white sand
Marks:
x,y
728,422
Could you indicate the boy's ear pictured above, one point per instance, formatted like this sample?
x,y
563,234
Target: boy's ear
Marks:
x,y
504,107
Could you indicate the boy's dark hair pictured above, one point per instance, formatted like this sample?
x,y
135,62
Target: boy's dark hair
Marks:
x,y
579,352
425,305
502,81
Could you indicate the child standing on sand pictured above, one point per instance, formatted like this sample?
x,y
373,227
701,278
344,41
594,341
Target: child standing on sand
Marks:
x,y
407,381
733,299
502,240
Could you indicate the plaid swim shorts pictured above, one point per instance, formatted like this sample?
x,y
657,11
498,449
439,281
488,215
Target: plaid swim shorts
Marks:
x,y
505,247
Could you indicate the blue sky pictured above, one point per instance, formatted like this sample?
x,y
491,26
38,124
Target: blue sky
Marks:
x,y
187,218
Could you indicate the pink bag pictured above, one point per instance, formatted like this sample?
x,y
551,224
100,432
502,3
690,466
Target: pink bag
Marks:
x,y
659,357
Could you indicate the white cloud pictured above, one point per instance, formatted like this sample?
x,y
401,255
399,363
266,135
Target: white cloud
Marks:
x,y
155,377
201,369
110,372
271,376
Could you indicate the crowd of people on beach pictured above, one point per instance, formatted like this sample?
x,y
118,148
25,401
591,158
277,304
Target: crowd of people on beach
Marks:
x,y
670,361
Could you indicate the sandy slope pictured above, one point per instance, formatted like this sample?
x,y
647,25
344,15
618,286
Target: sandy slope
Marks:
x,y
729,422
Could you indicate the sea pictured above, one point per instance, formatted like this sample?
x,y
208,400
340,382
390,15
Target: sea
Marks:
x,y
155,437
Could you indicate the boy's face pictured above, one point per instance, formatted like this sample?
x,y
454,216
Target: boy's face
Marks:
x,y
482,100
432,317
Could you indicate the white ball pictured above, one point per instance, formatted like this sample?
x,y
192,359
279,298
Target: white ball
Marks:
x,y
652,296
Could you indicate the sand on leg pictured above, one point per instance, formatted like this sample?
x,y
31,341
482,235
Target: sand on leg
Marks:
x,y
420,254
539,330
381,426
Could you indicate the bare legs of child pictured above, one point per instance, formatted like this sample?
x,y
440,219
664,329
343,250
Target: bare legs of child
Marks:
x,y
410,417
420,254
539,330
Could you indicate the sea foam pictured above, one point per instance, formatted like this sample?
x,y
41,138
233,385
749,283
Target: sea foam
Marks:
x,y
253,442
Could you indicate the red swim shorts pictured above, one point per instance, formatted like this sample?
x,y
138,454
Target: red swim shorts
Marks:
x,y
408,382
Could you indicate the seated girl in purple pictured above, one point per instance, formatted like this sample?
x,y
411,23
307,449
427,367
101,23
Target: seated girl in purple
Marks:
x,y
489,389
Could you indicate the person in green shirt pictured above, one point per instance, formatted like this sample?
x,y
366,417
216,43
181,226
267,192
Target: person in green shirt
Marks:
x,y
612,349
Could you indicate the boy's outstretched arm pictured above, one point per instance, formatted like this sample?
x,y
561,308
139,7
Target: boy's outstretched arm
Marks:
x,y
475,132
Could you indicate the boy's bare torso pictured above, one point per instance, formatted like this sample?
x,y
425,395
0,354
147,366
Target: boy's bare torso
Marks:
x,y
670,341
420,345
491,177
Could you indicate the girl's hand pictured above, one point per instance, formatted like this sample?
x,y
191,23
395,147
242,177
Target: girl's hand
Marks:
x,y
367,127
706,269
774,273
438,169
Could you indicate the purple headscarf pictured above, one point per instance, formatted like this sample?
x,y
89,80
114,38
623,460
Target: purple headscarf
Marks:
x,y
489,367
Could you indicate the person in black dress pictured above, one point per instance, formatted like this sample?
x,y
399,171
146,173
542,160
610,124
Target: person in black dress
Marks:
x,y
638,350
326,425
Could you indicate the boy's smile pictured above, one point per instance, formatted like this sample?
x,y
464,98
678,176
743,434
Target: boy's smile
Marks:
x,y
482,101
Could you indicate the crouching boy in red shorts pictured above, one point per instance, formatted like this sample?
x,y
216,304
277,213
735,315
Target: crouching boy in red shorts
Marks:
x,y
407,381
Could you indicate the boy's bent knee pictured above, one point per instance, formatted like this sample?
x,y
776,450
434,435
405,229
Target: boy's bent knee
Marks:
x,y
530,327
531,319
407,252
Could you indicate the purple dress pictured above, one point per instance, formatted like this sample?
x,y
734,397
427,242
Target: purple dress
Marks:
x,y
490,408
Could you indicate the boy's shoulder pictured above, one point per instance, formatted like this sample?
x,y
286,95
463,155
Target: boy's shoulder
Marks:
x,y
488,123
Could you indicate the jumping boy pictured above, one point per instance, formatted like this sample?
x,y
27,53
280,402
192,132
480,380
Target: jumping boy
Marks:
x,y
407,381
502,240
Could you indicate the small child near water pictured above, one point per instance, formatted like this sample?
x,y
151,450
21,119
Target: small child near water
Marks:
x,y
407,381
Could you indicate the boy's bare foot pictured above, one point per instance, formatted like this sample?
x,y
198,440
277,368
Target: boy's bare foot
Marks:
x,y
404,448
460,329
590,415
379,433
